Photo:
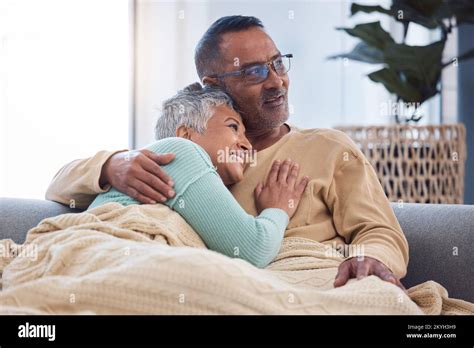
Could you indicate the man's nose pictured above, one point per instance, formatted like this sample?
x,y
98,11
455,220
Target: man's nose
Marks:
x,y
273,80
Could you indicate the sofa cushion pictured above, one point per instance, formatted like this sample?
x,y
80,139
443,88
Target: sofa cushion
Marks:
x,y
17,216
440,237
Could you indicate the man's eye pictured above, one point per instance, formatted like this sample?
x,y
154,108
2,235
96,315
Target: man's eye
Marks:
x,y
256,70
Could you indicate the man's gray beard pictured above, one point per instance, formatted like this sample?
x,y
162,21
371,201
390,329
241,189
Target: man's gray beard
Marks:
x,y
261,123
264,123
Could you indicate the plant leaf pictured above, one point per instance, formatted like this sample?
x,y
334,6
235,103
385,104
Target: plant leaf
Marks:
x,y
371,33
363,53
394,84
422,12
420,62
427,13
463,10
423,7
355,8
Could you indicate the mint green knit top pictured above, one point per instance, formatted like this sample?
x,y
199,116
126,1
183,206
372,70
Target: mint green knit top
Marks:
x,y
210,209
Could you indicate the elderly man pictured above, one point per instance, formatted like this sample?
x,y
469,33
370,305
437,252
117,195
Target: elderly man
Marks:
x,y
343,205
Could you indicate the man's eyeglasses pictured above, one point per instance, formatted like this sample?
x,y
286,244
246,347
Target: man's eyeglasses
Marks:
x,y
259,73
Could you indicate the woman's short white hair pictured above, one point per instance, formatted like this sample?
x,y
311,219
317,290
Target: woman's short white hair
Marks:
x,y
190,107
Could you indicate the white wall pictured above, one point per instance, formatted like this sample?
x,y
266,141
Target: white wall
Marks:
x,y
64,87
166,34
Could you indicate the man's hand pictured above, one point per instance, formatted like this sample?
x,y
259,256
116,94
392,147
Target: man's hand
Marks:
x,y
359,268
139,175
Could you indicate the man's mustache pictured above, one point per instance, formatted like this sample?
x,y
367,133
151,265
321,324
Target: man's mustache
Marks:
x,y
273,94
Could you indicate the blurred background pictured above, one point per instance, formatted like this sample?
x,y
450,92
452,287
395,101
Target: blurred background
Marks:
x,y
77,77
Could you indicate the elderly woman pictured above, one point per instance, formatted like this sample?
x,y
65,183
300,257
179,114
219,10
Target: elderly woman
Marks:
x,y
202,128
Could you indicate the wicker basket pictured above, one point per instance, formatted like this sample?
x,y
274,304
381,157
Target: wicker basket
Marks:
x,y
416,164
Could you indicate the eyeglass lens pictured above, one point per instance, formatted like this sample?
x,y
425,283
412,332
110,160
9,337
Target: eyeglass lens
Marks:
x,y
259,73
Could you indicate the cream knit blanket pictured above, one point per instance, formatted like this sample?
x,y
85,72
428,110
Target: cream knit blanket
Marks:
x,y
144,259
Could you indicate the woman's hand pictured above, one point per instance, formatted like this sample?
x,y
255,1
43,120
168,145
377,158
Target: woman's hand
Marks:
x,y
281,189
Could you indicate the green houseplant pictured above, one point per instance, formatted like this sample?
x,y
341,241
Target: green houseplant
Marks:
x,y
412,73
413,163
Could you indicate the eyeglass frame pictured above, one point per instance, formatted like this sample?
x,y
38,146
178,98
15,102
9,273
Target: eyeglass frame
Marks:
x,y
270,64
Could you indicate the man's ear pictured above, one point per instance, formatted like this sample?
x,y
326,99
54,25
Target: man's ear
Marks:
x,y
210,81
184,132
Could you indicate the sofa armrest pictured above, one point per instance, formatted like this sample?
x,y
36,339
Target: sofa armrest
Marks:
x,y
17,215
440,238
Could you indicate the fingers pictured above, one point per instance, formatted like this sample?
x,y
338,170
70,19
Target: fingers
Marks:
x,y
152,163
258,190
363,269
283,172
343,274
153,175
293,175
160,192
147,191
302,185
273,175
136,190
401,286
388,276
161,159
381,271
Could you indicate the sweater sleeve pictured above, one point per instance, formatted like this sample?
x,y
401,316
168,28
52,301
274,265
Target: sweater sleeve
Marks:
x,y
77,183
363,217
207,205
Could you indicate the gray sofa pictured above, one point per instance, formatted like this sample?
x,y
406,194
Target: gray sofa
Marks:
x,y
440,238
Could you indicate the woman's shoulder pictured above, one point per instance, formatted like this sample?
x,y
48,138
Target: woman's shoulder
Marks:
x,y
188,154
184,149
190,164
176,141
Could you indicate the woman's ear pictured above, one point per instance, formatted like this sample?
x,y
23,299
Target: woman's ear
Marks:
x,y
184,132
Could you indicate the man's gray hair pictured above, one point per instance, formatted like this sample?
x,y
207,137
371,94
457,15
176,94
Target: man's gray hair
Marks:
x,y
190,107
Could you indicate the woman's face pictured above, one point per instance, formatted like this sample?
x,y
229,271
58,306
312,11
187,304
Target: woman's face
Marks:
x,y
225,141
